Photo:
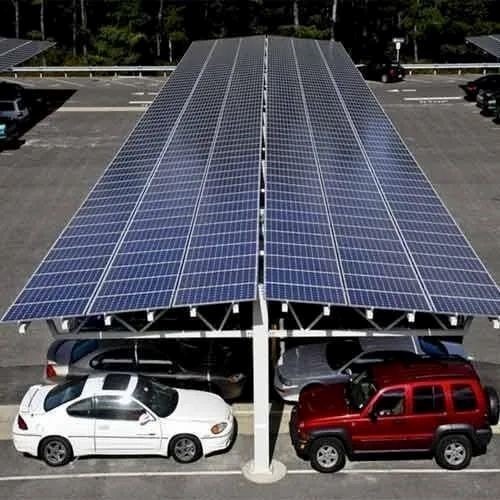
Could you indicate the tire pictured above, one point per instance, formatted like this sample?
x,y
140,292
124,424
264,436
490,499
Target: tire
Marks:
x,y
185,448
454,452
327,455
493,405
56,451
384,78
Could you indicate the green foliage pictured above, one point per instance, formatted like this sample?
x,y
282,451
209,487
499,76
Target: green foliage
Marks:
x,y
128,31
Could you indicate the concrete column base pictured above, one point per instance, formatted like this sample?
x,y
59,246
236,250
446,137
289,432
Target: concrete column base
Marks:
x,y
277,471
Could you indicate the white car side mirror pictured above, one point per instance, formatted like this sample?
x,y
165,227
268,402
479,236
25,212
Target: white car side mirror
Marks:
x,y
145,418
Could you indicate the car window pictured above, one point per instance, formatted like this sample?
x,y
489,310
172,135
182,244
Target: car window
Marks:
x,y
339,352
432,347
6,106
82,348
115,360
21,104
463,398
391,403
428,399
63,393
161,399
81,409
117,408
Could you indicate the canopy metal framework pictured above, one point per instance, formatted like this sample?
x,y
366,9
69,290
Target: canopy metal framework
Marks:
x,y
264,194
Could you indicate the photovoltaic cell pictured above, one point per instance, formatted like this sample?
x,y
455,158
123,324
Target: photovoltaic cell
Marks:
x,y
488,43
14,51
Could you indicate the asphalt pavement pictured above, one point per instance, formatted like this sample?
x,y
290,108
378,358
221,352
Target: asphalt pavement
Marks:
x,y
44,181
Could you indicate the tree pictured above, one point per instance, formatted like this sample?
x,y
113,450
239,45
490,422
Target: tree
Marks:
x,y
333,20
159,29
174,27
74,27
296,21
83,11
15,4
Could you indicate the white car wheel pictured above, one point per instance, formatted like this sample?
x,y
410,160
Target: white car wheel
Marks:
x,y
56,451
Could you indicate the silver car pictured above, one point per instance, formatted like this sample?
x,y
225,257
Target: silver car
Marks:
x,y
342,358
14,109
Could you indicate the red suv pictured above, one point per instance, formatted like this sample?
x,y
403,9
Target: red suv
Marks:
x,y
432,407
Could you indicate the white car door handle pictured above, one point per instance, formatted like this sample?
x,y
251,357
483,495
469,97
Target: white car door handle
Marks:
x,y
148,434
103,427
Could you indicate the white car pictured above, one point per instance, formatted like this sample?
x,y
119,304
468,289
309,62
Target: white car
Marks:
x,y
120,414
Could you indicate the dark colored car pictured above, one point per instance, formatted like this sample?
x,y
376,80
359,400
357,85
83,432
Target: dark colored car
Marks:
x,y
487,82
487,101
204,365
429,407
9,132
385,72
10,90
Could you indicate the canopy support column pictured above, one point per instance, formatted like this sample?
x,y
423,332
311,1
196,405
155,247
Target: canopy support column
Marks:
x,y
261,469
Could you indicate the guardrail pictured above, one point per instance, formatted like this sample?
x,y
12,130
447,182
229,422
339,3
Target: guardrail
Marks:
x,y
139,71
89,70
459,67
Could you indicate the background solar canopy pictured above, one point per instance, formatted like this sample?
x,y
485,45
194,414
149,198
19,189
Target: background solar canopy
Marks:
x,y
123,248
488,43
14,51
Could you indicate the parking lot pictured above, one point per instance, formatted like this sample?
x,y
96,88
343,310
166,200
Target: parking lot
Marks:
x,y
43,182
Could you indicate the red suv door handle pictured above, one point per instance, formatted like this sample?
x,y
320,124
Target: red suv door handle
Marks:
x,y
399,421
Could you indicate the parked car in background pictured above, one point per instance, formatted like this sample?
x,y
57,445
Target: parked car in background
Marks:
x,y
120,414
339,359
486,100
9,131
434,407
9,90
487,82
385,72
14,108
205,365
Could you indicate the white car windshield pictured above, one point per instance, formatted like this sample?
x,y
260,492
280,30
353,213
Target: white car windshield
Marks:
x,y
160,399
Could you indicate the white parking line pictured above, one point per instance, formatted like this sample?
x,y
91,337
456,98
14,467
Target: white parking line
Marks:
x,y
408,90
364,472
140,102
91,109
66,81
451,98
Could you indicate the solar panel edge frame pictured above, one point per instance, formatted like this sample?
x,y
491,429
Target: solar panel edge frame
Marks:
x,y
85,199
409,255
88,310
426,178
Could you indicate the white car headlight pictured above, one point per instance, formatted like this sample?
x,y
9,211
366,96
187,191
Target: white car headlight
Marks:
x,y
218,428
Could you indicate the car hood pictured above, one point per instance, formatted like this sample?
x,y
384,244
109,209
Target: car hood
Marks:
x,y
304,362
199,406
326,400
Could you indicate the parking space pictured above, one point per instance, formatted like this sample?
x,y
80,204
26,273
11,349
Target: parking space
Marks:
x,y
44,180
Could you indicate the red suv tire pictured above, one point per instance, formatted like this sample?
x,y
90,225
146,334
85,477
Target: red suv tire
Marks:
x,y
327,454
454,452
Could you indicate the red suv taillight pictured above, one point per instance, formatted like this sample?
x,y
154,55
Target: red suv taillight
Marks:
x,y
21,423
50,371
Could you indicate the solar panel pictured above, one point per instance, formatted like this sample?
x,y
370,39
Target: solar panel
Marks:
x,y
14,51
68,277
375,265
453,277
300,252
173,220
488,43
163,232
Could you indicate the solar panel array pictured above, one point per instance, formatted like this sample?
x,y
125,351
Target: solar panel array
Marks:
x,y
397,247
488,43
14,51
350,218
143,237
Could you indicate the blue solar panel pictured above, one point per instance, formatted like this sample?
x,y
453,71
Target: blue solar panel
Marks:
x,y
14,51
451,274
300,255
67,278
216,144
365,233
488,43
